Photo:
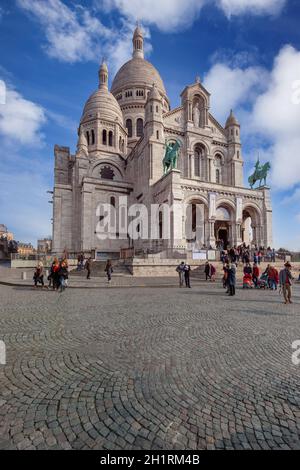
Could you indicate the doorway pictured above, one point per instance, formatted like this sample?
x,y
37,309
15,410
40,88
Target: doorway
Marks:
x,y
223,237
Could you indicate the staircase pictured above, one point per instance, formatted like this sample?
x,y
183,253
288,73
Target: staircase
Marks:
x,y
119,270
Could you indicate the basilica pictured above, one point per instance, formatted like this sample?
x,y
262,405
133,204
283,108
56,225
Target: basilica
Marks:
x,y
122,139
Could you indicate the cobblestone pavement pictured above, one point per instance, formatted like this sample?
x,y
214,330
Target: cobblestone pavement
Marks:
x,y
149,369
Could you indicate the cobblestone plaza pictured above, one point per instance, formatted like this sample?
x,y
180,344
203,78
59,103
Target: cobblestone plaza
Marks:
x,y
149,368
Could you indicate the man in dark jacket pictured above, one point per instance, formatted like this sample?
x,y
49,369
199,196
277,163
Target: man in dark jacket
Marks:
x,y
187,270
232,279
88,267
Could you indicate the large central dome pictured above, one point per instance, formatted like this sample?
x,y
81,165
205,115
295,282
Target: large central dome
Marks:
x,y
136,78
137,72
131,87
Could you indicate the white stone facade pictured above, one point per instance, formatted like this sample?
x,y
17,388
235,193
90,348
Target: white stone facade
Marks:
x,y
121,145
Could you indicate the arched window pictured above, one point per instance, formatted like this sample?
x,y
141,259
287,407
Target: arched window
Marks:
x,y
93,136
113,201
110,138
104,137
238,154
197,164
198,161
218,165
157,109
129,127
88,137
139,127
157,135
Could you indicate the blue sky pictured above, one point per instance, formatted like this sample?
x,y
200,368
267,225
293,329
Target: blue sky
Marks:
x,y
247,53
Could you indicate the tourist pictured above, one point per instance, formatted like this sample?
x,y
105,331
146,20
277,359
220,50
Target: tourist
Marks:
x,y
248,269
273,278
225,277
259,257
232,255
53,276
232,279
109,270
180,270
285,280
63,274
88,267
255,274
38,276
273,255
212,273
187,270
207,271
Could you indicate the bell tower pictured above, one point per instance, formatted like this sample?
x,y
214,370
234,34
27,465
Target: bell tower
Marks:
x,y
235,161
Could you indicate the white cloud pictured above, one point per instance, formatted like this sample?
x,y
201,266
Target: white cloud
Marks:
x,y
74,34
255,7
169,15
276,115
21,120
233,87
165,14
71,34
264,102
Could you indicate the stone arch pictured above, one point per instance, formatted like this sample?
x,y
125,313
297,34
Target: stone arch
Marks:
x,y
129,127
196,223
139,127
220,153
224,223
200,157
199,109
97,166
252,225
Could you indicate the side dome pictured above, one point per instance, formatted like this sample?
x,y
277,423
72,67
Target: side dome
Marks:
x,y
103,104
102,125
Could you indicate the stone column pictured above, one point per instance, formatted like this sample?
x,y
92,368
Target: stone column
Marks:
x,y
238,236
192,169
212,238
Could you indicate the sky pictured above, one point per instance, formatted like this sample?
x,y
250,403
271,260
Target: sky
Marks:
x,y
246,52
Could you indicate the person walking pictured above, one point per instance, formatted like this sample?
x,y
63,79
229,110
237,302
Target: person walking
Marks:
x,y
109,270
187,270
273,278
63,274
212,273
207,271
180,270
88,267
285,281
232,279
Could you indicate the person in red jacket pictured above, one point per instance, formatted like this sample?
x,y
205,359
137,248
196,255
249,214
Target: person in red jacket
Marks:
x,y
273,278
255,274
